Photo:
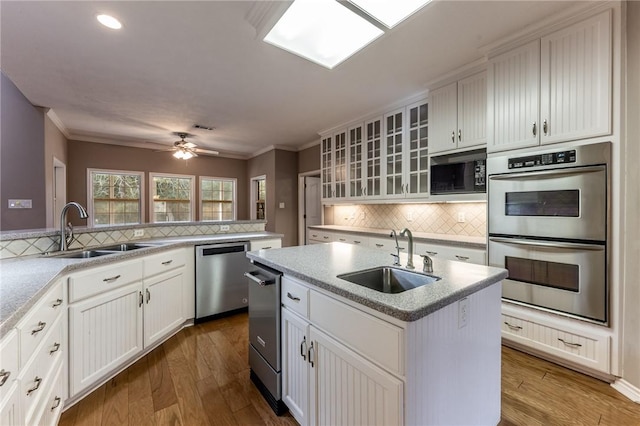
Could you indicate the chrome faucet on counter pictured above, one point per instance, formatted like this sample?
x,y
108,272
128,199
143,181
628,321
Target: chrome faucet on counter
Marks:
x,y
410,260
397,255
63,228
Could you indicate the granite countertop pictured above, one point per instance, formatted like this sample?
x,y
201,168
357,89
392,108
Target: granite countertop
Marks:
x,y
24,280
447,239
318,264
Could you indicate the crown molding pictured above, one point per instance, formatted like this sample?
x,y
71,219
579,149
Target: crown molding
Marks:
x,y
57,122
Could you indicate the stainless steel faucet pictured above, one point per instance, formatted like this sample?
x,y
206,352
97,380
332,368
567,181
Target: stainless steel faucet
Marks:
x,y
397,255
63,228
410,260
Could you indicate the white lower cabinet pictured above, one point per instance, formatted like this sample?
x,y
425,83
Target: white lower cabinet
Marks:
x,y
105,332
295,383
163,305
10,407
460,254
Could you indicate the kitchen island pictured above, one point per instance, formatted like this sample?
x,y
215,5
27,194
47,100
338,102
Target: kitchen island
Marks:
x,y
354,355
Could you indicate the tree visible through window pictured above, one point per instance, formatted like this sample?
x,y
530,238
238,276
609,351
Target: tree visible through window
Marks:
x,y
172,198
115,198
218,198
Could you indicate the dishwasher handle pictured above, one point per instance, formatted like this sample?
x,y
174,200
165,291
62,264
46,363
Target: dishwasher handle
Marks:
x,y
258,280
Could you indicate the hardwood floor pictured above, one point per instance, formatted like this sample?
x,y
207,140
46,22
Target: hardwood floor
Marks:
x,y
201,377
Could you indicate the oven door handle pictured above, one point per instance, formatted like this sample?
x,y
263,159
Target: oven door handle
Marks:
x,y
567,171
553,244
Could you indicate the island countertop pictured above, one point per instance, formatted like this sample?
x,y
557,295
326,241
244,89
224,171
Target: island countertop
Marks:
x,y
319,265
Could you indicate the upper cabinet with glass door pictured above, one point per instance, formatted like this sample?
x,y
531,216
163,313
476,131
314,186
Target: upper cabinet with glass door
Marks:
x,y
569,72
326,167
417,157
394,148
333,162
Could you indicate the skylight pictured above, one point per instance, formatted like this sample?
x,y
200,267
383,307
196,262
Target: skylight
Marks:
x,y
327,33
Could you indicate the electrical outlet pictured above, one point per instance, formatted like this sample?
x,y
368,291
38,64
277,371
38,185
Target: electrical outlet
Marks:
x,y
463,312
410,216
224,227
461,217
138,232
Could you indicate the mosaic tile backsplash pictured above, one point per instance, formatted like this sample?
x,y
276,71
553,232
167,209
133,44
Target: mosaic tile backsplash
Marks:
x,y
10,248
468,219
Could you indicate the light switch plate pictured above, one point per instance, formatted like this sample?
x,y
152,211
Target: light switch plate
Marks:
x,y
19,204
282,205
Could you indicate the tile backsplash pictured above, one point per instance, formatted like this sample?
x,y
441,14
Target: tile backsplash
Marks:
x,y
48,241
437,218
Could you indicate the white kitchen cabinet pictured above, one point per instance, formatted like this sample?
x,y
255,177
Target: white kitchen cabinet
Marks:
x,y
265,244
461,254
417,152
163,305
316,237
356,159
334,166
393,154
10,413
373,158
105,332
568,72
327,166
459,114
357,240
389,244
296,381
9,386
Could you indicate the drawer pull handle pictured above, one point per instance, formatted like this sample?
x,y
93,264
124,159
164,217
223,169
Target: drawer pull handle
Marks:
x,y
343,239
108,280
463,258
56,348
432,253
37,381
41,326
167,262
356,242
326,238
148,295
57,303
379,245
401,248
4,376
292,297
513,327
571,345
57,400
266,248
303,348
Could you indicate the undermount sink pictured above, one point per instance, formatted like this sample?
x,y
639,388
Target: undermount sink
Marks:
x,y
387,279
85,254
126,247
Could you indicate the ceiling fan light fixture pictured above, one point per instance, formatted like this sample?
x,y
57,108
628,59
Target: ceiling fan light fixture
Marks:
x,y
187,154
179,154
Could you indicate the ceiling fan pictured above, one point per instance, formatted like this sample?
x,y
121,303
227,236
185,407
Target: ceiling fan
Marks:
x,y
185,150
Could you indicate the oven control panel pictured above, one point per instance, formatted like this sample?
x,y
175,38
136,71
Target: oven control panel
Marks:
x,y
560,157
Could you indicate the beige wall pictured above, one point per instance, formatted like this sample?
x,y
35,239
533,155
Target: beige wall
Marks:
x,y
309,159
84,155
22,174
631,227
55,146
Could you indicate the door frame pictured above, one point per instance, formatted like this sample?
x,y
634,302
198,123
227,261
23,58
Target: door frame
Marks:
x,y
302,223
59,178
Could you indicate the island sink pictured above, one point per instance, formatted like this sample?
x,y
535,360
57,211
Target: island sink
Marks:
x,y
387,279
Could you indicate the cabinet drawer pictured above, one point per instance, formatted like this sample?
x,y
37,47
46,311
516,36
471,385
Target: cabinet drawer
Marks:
x,y
372,337
320,236
8,362
461,254
389,244
265,244
164,261
358,240
37,376
51,408
295,296
37,323
582,347
98,280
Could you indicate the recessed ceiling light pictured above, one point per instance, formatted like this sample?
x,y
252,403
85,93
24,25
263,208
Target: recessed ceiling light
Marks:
x,y
390,13
109,22
324,32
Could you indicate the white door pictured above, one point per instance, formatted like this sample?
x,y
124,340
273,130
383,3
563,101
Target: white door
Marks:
x,y
295,366
163,305
105,331
312,205
349,390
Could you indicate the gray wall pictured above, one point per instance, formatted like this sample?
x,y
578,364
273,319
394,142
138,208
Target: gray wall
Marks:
x,y
84,155
21,159
631,228
309,159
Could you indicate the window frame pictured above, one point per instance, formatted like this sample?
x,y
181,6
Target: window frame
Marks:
x,y
90,200
234,201
192,201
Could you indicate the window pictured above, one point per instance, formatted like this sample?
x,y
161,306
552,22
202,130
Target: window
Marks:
x,y
218,198
115,197
258,197
172,197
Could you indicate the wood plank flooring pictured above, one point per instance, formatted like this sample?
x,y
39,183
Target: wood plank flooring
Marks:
x,y
201,377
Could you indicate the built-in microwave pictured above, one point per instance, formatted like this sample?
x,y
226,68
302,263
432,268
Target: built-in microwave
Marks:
x,y
464,173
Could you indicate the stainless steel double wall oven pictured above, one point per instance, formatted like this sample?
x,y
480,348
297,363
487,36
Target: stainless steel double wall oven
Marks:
x,y
548,219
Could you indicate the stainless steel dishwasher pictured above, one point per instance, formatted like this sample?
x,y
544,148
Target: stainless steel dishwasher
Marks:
x,y
221,286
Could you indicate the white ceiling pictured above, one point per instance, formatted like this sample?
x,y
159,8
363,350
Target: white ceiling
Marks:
x,y
176,63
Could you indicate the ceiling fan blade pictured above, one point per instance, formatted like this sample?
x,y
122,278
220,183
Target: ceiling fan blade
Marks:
x,y
206,151
189,145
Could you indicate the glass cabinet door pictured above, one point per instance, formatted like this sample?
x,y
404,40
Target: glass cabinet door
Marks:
x,y
373,140
340,170
418,150
356,176
393,153
327,167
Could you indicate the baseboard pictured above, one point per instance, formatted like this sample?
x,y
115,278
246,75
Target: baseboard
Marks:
x,y
627,389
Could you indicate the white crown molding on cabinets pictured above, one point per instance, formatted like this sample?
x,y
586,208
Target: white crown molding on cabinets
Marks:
x,y
57,122
543,27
